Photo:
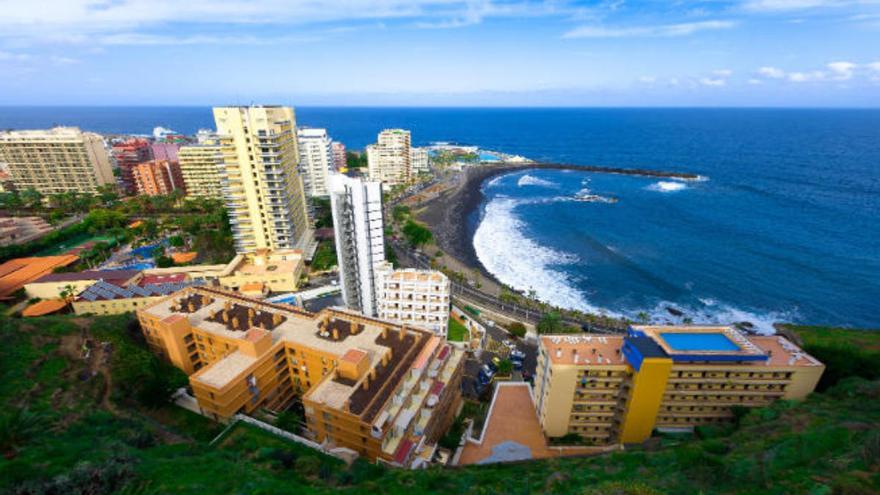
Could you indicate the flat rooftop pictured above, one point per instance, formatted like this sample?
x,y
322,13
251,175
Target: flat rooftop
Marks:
x,y
333,331
588,348
682,344
512,432
16,273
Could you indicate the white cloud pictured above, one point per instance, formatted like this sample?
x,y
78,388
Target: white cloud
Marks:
x,y
708,81
647,79
791,5
17,57
60,60
156,40
800,77
772,72
723,72
657,31
874,66
842,71
755,82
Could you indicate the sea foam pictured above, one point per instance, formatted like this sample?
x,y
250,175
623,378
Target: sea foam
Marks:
x,y
531,180
717,313
667,186
522,263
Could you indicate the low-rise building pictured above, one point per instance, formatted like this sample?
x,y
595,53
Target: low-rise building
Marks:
x,y
105,298
19,230
414,297
383,390
51,285
619,388
420,162
274,271
19,272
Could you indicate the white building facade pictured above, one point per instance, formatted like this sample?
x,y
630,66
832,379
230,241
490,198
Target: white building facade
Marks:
x,y
389,161
419,162
315,160
360,244
415,297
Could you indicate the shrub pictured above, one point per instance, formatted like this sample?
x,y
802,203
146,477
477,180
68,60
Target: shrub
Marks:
x,y
517,329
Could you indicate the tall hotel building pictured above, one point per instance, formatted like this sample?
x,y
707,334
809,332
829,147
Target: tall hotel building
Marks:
x,y
360,245
315,160
157,177
261,185
385,391
338,150
618,389
200,166
390,160
128,155
63,159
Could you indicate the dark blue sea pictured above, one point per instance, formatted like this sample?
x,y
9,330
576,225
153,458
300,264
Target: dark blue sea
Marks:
x,y
785,226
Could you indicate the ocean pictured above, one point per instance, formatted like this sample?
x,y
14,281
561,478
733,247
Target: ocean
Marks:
x,y
785,226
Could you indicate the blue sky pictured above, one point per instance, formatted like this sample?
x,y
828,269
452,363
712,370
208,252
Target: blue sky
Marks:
x,y
441,52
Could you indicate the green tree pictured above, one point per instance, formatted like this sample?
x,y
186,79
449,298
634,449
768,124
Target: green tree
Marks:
x,y
416,234
31,198
551,322
517,329
505,367
289,420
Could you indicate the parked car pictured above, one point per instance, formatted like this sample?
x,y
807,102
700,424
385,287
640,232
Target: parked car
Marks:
x,y
517,355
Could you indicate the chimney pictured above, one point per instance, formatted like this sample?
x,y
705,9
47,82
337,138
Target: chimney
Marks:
x,y
346,406
227,305
225,316
335,334
192,307
251,313
366,383
234,322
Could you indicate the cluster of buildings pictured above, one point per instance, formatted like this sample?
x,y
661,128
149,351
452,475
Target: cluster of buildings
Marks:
x,y
376,377
392,160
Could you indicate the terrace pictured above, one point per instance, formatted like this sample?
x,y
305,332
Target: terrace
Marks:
x,y
238,317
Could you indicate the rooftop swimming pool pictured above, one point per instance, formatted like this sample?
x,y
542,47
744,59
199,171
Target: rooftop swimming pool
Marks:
x,y
686,341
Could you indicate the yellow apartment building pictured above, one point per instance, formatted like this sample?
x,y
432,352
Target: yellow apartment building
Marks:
x,y
54,161
620,388
260,183
383,390
277,271
200,167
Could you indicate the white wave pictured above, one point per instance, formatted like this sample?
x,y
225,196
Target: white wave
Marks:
x,y
716,313
583,191
493,182
522,263
667,186
531,180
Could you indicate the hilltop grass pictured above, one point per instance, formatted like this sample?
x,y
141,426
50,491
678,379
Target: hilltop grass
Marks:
x,y
92,441
845,352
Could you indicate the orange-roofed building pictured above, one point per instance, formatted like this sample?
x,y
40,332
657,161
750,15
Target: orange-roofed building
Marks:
x,y
180,258
43,308
14,274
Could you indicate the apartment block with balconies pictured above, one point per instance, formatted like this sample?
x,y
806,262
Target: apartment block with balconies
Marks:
x,y
383,390
415,297
618,389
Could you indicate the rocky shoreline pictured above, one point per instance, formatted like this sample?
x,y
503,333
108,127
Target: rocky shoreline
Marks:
x,y
447,214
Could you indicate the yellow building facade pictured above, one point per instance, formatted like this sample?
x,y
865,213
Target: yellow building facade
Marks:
x,y
260,183
620,388
385,391
54,161
200,167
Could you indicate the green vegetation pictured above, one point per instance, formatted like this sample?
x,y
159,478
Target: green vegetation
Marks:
x,y
354,159
70,425
417,234
457,332
323,213
517,329
845,352
325,257
505,367
551,322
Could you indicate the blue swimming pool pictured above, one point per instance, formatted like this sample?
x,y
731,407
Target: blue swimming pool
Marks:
x,y
699,342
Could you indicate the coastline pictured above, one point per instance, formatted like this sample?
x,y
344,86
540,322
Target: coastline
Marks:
x,y
447,214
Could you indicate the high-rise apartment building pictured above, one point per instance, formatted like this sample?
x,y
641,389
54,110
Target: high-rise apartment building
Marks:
x,y
419,161
200,167
157,177
315,160
262,187
63,159
127,155
338,151
418,298
390,160
385,391
165,151
360,246
619,388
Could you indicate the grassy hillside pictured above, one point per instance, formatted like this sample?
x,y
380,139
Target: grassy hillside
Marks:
x,y
72,425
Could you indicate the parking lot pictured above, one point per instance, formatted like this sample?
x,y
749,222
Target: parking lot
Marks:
x,y
498,344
